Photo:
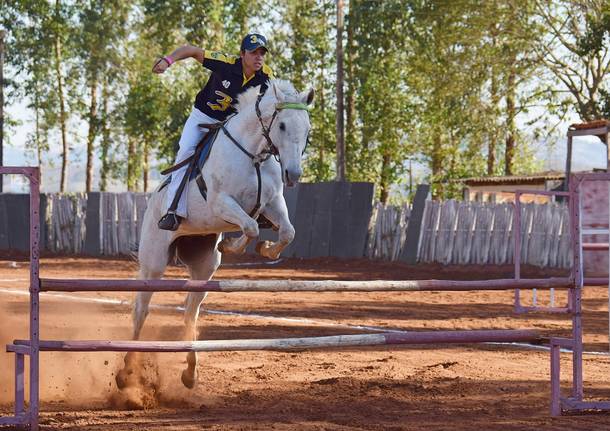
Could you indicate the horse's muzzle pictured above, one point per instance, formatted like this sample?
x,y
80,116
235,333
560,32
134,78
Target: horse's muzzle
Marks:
x,y
291,176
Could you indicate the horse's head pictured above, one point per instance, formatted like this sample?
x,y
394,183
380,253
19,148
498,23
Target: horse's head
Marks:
x,y
284,112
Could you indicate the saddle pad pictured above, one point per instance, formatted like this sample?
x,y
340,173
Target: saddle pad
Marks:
x,y
206,142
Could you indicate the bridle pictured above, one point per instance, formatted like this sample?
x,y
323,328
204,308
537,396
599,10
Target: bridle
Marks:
x,y
267,130
271,149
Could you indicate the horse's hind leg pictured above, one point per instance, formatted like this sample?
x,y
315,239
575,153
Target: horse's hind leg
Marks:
x,y
153,257
202,258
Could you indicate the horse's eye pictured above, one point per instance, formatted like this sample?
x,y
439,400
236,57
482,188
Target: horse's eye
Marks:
x,y
282,127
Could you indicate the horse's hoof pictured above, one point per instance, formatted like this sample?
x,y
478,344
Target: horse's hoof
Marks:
x,y
122,377
260,245
221,247
189,379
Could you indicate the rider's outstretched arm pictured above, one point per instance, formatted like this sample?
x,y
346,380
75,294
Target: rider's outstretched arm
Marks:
x,y
180,53
187,51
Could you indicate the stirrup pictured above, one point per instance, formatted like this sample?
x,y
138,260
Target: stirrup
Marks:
x,y
170,221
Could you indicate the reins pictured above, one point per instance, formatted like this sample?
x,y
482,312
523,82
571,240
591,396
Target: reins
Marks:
x,y
271,150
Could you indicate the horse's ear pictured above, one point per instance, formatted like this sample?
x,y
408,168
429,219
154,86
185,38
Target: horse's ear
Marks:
x,y
310,96
306,97
277,93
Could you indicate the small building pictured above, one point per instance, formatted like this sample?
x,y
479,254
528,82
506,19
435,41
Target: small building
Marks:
x,y
501,189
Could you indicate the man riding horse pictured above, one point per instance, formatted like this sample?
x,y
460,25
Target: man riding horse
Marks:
x,y
231,76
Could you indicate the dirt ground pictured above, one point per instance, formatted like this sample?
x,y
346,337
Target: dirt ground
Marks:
x,y
488,387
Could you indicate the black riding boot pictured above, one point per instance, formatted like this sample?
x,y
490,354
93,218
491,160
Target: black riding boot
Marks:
x,y
170,221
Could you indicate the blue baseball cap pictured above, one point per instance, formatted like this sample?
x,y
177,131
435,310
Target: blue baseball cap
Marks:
x,y
253,41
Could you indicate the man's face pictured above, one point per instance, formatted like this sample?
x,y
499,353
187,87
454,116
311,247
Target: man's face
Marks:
x,y
254,60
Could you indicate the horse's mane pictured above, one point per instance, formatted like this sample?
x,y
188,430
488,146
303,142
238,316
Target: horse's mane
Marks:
x,y
249,96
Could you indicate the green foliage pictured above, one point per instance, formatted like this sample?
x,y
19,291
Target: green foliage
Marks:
x,y
451,85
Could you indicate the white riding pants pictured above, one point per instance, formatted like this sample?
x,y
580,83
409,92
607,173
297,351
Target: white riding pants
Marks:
x,y
191,135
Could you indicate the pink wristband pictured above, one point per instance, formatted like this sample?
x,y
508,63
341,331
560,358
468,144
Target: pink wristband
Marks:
x,y
169,60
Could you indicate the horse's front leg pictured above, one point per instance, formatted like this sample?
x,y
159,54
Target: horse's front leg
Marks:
x,y
277,213
229,210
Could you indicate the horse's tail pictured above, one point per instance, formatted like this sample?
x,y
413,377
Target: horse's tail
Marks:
x,y
190,248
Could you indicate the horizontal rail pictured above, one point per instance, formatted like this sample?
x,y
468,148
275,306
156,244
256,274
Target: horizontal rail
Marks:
x,y
567,343
87,285
597,131
428,337
541,192
592,176
550,310
23,350
595,246
596,281
22,419
16,170
570,404
595,231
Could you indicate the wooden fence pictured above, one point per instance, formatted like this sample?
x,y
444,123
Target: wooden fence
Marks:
x,y
387,231
120,221
482,233
65,222
328,218
331,219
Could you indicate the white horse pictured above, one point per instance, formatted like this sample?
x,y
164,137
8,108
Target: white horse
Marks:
x,y
232,189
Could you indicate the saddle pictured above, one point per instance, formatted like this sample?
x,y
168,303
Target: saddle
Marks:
x,y
194,171
195,165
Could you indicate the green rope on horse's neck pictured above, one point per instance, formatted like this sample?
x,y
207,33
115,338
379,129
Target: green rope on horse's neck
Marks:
x,y
287,105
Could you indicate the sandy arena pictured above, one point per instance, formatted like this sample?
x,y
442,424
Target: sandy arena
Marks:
x,y
487,387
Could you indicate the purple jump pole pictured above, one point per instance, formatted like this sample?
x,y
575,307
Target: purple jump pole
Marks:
x,y
84,285
555,381
575,293
23,417
282,344
34,296
517,249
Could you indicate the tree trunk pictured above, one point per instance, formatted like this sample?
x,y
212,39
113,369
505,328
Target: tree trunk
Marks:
x,y
436,165
493,132
510,123
92,133
339,118
105,144
62,107
322,143
384,181
216,23
37,131
145,171
132,161
350,96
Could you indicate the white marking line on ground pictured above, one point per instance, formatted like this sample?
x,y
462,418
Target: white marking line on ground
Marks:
x,y
273,262
12,280
179,308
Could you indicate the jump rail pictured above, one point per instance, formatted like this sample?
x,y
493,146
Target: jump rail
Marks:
x,y
31,347
122,285
283,344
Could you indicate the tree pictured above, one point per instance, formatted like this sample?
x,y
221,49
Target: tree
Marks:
x,y
574,53
302,53
34,30
340,81
102,27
